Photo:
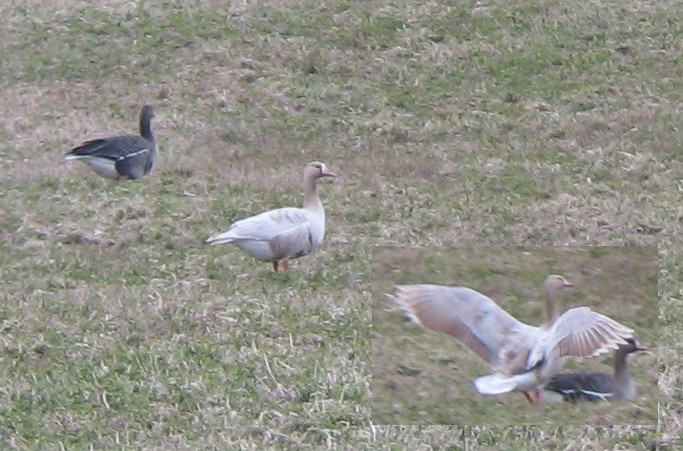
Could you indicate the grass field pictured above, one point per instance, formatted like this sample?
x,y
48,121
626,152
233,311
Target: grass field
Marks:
x,y
483,124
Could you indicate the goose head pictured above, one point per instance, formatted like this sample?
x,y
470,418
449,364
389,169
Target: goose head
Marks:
x,y
312,172
316,169
554,283
146,113
631,345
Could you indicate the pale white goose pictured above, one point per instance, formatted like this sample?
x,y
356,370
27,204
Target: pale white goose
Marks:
x,y
596,386
284,233
121,157
523,357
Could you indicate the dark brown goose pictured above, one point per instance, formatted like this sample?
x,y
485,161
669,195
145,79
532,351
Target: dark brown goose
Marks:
x,y
121,157
596,386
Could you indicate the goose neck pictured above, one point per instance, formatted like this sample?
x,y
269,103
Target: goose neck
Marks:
x,y
551,307
622,375
146,129
311,199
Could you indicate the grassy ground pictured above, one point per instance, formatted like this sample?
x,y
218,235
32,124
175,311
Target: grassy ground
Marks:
x,y
510,123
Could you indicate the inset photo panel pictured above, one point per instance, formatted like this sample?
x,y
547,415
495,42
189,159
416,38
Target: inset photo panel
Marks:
x,y
515,335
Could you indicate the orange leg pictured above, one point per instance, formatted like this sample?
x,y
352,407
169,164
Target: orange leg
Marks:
x,y
528,397
284,266
534,397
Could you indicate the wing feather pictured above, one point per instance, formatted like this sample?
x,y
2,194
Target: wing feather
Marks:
x,y
581,332
289,232
264,226
111,148
134,164
471,317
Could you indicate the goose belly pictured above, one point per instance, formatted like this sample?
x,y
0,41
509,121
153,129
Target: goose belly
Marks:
x,y
498,384
104,167
260,250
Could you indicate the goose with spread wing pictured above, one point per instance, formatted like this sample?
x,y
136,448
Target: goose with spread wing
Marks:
x,y
522,357
284,233
596,385
121,157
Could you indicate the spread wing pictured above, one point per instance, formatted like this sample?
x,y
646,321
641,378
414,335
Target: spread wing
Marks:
x,y
475,319
581,332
